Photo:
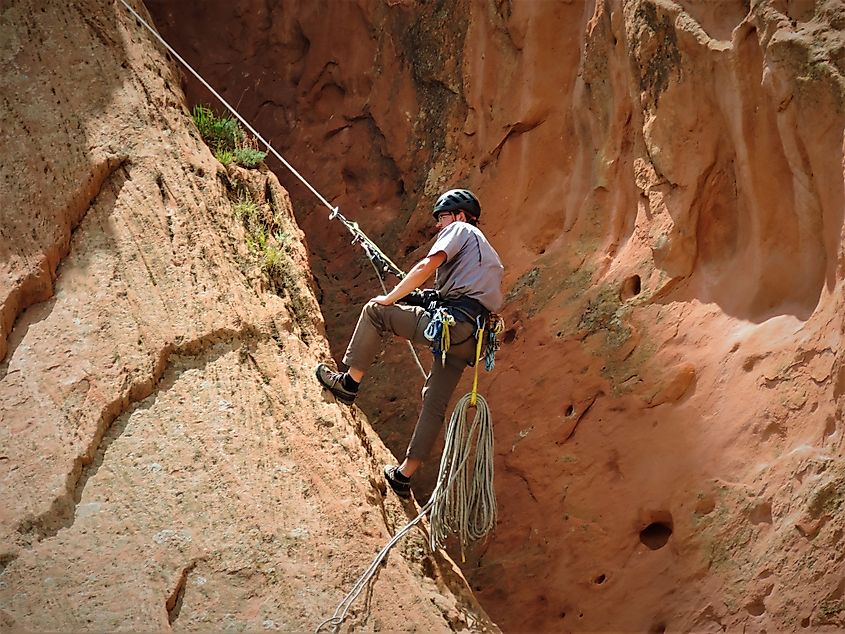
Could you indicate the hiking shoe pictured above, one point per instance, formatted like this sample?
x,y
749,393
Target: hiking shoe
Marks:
x,y
333,382
402,488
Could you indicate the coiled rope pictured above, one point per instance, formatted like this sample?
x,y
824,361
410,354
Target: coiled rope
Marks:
x,y
463,501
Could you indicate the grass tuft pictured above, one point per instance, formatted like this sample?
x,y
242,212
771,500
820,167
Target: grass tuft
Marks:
x,y
227,139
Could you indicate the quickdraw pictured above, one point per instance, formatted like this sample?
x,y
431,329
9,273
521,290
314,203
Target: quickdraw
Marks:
x,y
490,331
437,332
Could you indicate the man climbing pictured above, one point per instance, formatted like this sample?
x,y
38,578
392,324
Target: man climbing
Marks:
x,y
469,285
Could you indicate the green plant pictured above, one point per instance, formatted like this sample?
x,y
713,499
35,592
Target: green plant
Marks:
x,y
249,157
273,259
256,238
226,138
219,132
283,238
246,210
224,156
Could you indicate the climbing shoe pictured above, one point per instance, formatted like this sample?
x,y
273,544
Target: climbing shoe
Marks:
x,y
335,383
398,482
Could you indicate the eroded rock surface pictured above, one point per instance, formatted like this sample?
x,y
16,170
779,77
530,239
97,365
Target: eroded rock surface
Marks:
x,y
664,181
166,457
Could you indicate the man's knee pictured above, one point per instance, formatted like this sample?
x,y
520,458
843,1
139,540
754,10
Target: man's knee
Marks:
x,y
373,311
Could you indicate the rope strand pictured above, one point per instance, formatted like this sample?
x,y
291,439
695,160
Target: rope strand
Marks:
x,y
246,124
470,511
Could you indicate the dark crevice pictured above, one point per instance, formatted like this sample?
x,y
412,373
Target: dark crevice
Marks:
x,y
173,604
514,131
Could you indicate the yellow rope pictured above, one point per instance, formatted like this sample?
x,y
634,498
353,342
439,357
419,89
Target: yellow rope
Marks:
x,y
478,345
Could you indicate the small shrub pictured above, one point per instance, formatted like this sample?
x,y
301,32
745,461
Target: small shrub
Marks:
x,y
249,157
219,132
224,156
246,210
226,138
256,239
273,259
283,238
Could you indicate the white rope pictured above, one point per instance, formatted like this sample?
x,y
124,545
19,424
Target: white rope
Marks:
x,y
467,506
270,148
246,124
462,502
471,511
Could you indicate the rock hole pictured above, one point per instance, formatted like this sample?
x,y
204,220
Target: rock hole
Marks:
x,y
562,615
600,580
755,608
655,535
762,513
657,628
570,410
509,336
631,287
805,622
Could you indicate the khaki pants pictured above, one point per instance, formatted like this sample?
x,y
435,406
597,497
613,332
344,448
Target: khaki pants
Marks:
x,y
410,322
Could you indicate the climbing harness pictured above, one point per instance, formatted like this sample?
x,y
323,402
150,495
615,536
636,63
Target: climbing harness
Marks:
x,y
437,332
463,500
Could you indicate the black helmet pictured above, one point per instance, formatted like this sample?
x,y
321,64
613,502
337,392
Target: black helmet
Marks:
x,y
457,200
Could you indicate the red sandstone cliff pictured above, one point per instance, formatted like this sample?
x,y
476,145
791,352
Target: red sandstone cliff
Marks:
x,y
664,181
166,459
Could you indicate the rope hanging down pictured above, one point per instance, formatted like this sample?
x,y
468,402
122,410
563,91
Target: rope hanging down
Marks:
x,y
463,501
380,261
471,510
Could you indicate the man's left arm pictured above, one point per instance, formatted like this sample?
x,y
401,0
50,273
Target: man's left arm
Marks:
x,y
420,272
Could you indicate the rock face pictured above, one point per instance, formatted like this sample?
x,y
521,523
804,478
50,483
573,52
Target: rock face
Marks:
x,y
664,181
166,457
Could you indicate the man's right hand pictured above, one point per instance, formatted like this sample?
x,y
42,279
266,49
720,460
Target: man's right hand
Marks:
x,y
419,297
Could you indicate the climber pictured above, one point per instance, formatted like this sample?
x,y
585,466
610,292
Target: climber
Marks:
x,y
468,286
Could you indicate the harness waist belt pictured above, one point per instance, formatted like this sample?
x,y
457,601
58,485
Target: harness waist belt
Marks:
x,y
466,308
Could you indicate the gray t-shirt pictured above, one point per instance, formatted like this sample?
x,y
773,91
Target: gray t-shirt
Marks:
x,y
472,267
